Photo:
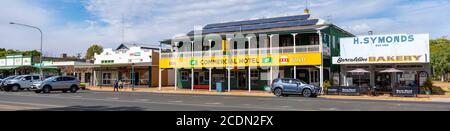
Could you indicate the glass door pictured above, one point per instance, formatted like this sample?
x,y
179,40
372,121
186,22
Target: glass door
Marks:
x,y
106,78
315,76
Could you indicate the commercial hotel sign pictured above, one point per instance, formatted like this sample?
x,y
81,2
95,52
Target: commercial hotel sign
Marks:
x,y
397,48
243,61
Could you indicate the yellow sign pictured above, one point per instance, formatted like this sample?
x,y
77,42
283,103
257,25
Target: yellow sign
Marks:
x,y
243,61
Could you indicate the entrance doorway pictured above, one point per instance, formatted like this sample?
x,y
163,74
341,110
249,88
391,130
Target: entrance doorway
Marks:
x,y
242,79
196,78
87,78
383,81
315,77
136,78
106,79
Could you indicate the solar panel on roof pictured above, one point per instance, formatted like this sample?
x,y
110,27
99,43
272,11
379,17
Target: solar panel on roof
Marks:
x,y
261,26
259,21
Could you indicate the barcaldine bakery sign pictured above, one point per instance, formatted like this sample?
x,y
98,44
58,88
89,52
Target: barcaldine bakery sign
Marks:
x,y
397,48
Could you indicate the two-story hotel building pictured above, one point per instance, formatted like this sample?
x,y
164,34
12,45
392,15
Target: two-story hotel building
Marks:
x,y
248,55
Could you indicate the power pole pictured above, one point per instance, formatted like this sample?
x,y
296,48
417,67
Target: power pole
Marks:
x,y
123,28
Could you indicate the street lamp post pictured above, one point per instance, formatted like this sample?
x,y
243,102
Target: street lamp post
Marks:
x,y
42,53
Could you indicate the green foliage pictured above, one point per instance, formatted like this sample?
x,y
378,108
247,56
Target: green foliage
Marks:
x,y
428,85
94,49
4,52
440,56
327,83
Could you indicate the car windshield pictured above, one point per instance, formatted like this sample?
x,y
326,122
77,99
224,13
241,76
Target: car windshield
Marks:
x,y
10,77
18,77
51,78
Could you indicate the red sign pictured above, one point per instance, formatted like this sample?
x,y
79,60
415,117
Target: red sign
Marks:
x,y
172,63
284,59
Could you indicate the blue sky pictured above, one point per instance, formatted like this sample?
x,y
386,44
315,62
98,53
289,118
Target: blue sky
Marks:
x,y
68,10
71,26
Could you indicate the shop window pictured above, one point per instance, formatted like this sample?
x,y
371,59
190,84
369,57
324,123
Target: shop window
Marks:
x,y
107,61
206,78
233,74
246,45
315,76
285,42
314,40
213,44
185,76
254,74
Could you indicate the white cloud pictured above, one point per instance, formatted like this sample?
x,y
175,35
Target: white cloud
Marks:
x,y
150,21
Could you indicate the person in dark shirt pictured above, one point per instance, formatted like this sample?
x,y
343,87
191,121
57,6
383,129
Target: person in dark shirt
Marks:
x,y
116,86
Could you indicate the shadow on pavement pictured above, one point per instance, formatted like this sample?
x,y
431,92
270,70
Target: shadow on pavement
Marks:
x,y
89,108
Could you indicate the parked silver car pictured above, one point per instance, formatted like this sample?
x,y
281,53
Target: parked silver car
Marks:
x,y
288,86
2,82
57,83
20,82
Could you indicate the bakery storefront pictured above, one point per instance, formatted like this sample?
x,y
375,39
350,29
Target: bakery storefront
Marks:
x,y
384,63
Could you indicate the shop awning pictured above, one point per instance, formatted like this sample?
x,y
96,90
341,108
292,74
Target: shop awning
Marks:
x,y
391,70
15,67
7,68
359,70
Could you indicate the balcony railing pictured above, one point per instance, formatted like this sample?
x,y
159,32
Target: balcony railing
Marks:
x,y
255,51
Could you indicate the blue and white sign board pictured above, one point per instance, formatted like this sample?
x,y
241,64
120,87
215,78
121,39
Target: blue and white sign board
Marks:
x,y
396,48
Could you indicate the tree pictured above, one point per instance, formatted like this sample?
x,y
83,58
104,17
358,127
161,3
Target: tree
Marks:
x,y
4,52
32,53
440,57
94,49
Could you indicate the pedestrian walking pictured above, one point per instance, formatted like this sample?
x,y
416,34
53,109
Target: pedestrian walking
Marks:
x,y
116,86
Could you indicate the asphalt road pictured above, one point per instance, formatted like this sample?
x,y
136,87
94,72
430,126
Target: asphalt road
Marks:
x,y
110,101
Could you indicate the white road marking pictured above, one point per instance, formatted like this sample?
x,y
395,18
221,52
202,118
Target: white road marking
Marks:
x,y
176,101
30,104
141,99
216,103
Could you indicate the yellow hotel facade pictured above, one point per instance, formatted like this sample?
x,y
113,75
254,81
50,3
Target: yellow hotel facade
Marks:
x,y
249,55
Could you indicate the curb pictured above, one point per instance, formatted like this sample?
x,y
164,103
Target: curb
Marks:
x,y
368,98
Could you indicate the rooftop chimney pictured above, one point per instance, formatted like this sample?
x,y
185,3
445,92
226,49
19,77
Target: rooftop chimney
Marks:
x,y
306,11
64,55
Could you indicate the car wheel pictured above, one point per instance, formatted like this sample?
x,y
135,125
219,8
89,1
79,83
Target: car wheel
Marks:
x,y
46,89
278,92
15,88
307,93
73,89
37,92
